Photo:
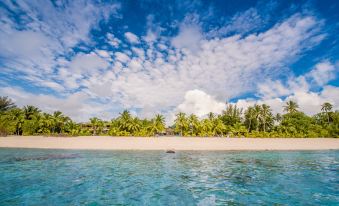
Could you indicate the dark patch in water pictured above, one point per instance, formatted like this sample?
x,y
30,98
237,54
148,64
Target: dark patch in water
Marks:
x,y
48,157
185,177
241,161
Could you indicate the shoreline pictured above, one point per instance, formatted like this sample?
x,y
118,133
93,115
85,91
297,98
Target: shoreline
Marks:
x,y
169,143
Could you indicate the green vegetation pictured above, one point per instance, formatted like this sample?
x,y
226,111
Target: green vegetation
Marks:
x,y
255,121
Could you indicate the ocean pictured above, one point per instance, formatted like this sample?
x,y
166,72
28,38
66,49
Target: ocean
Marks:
x,y
80,177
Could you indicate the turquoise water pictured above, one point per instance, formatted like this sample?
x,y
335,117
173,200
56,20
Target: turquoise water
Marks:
x,y
72,177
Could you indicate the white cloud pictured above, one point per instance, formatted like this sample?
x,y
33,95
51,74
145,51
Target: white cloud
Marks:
x,y
323,73
132,38
298,89
241,22
162,47
78,105
220,64
66,25
222,68
113,41
150,37
103,53
320,75
26,50
53,85
199,103
87,63
189,37
330,94
135,65
272,89
100,88
45,32
121,57
139,52
276,104
310,102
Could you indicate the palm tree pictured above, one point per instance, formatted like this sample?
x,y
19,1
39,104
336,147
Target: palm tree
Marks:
x,y
6,104
291,107
327,107
207,127
238,130
16,115
158,124
46,123
30,112
277,119
265,114
58,120
72,128
231,115
96,124
125,114
211,115
134,125
181,122
218,127
257,112
124,120
249,116
193,124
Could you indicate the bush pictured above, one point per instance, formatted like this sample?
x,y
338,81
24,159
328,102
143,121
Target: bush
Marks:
x,y
6,128
3,131
30,127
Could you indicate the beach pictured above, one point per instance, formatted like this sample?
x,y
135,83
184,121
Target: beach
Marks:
x,y
168,143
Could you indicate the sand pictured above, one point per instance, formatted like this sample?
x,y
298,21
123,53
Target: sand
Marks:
x,y
168,143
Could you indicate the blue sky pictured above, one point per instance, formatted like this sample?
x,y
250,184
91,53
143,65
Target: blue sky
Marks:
x,y
96,58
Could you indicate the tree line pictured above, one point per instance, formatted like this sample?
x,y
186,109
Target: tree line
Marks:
x,y
254,121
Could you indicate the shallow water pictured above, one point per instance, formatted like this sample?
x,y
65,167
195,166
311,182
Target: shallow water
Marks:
x,y
73,177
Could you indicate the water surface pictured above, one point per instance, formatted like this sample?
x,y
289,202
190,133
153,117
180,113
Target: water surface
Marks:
x,y
74,177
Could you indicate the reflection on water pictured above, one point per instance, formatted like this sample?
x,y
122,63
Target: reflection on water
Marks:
x,y
68,177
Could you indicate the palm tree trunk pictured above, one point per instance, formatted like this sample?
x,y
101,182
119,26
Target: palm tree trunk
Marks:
x,y
249,125
265,126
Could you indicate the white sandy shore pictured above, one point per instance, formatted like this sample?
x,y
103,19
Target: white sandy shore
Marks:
x,y
166,143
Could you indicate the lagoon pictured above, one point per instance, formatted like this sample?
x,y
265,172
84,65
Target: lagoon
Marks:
x,y
80,177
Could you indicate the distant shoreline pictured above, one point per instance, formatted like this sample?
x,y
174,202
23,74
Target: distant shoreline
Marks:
x,y
168,143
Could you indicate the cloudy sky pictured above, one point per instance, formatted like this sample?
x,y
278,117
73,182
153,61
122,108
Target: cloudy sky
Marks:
x,y
96,58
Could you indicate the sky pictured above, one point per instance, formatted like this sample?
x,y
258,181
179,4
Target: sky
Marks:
x,y
97,58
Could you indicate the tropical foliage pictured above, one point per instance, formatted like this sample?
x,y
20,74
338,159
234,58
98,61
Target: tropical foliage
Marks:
x,y
255,121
